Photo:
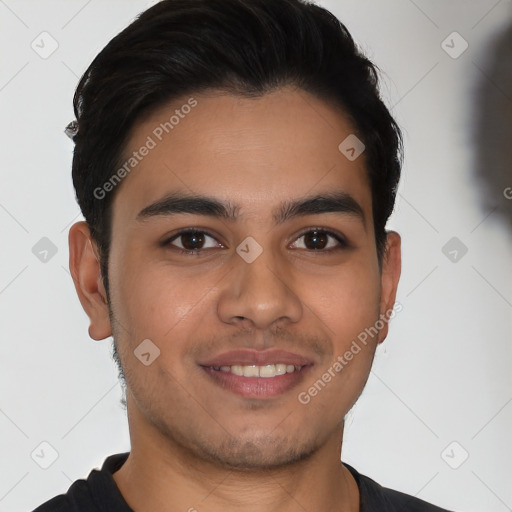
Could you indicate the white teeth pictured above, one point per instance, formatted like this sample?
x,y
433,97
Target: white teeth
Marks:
x,y
269,370
251,371
237,370
280,369
265,371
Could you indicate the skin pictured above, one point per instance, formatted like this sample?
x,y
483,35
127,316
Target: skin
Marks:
x,y
194,444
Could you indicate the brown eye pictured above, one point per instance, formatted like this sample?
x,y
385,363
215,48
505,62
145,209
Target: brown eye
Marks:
x,y
317,239
192,241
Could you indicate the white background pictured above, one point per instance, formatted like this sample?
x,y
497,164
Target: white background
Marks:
x,y
443,374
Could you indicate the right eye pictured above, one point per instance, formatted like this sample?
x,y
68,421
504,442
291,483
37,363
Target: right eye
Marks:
x,y
191,241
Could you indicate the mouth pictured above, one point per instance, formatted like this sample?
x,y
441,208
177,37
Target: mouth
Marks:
x,y
257,374
266,371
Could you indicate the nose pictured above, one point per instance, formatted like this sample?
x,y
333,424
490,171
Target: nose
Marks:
x,y
260,293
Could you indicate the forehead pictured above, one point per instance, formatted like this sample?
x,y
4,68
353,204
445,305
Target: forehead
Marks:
x,y
255,152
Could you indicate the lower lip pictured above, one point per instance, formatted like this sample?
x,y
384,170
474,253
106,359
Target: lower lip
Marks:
x,y
257,387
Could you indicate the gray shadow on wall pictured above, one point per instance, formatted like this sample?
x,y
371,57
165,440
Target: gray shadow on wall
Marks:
x,y
492,128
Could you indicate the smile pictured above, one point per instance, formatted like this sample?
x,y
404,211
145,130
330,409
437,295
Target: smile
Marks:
x,y
265,371
252,381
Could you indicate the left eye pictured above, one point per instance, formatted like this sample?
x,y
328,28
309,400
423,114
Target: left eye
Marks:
x,y
318,239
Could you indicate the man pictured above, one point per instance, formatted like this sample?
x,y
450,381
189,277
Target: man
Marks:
x,y
236,169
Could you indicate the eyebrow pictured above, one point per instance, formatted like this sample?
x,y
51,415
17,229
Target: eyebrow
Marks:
x,y
178,203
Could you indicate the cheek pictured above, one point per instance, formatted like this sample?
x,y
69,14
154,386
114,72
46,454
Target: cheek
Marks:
x,y
156,302
347,301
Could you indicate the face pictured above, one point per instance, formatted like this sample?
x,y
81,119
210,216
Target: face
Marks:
x,y
287,276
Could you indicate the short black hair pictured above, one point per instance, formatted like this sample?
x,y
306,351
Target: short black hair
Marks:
x,y
246,48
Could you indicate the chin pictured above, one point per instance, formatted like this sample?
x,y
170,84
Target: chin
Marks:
x,y
258,454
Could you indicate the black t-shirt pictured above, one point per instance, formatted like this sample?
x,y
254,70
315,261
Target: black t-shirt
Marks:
x,y
99,493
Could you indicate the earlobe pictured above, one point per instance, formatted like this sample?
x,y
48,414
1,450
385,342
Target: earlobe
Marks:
x,y
390,276
85,270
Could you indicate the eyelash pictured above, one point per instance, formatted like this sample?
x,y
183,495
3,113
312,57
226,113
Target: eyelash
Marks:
x,y
343,244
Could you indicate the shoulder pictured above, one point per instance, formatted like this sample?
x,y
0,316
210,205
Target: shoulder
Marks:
x,y
404,502
57,504
73,501
97,493
375,498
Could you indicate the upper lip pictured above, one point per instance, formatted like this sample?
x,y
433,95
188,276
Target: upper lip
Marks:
x,y
258,358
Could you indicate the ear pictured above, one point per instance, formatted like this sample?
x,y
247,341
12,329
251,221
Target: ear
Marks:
x,y
84,265
390,275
